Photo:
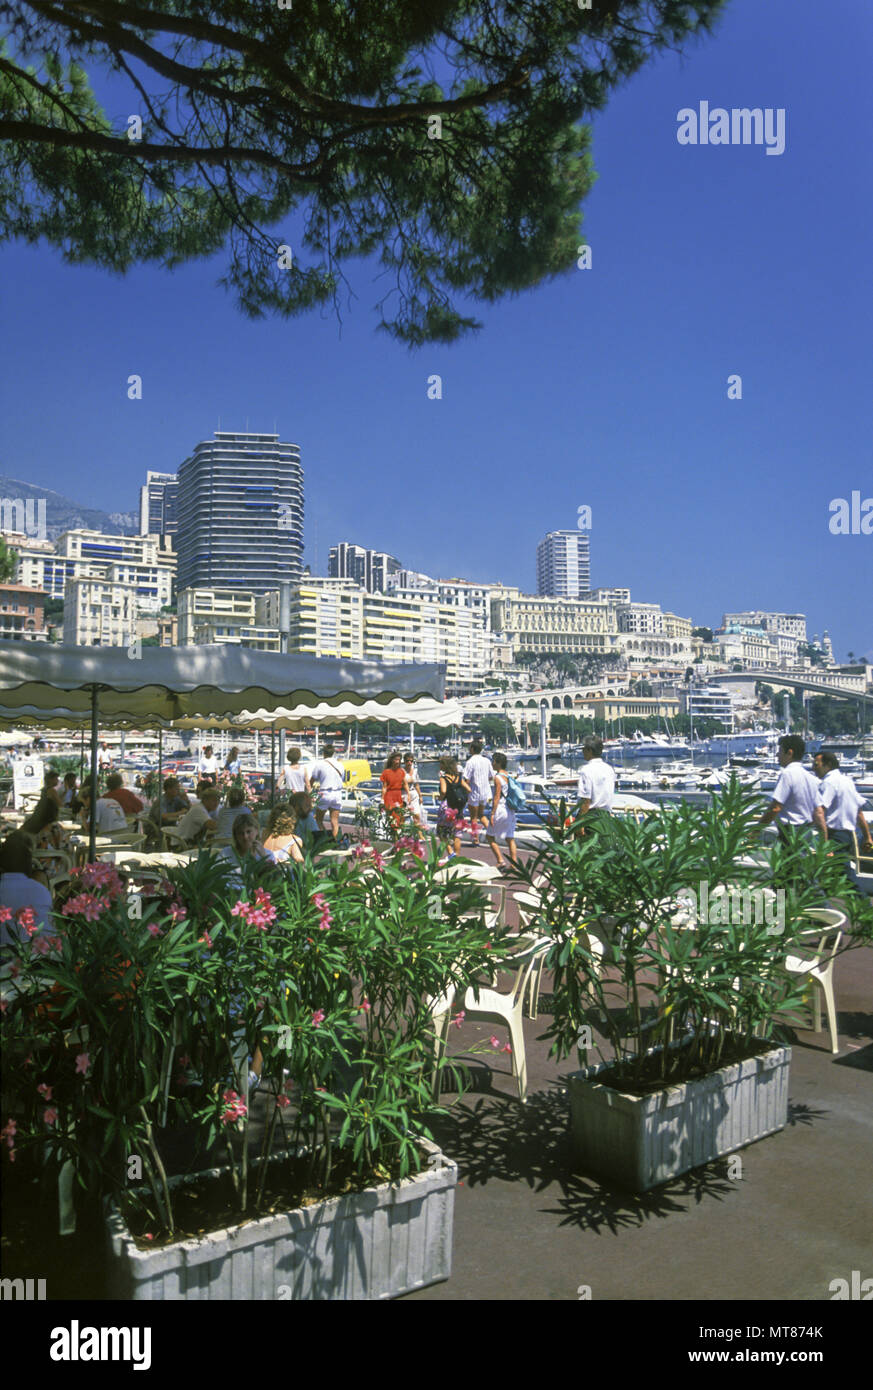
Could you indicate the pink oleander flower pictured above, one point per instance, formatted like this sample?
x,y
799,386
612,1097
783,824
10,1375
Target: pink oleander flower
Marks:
x,y
83,1062
459,1018
44,1090
365,1006
148,1236
317,1018
27,920
235,1108
154,929
85,905
495,1042
282,1101
205,940
50,1115
40,946
378,862
507,1047
5,914
7,1134
177,912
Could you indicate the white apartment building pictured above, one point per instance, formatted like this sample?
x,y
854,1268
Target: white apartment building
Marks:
x,y
332,617
564,564
99,613
789,627
146,562
613,596
237,617
754,649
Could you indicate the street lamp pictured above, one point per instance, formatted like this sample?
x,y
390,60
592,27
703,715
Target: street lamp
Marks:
x,y
506,721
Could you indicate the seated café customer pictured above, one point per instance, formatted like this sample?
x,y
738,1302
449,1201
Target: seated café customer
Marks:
x,y
234,806
245,844
68,794
51,786
306,826
280,841
43,825
110,816
200,821
174,802
20,886
116,790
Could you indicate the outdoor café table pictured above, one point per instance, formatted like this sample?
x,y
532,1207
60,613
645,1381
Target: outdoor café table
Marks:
x,y
165,860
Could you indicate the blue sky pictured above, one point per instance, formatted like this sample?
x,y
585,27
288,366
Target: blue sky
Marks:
x,y
606,387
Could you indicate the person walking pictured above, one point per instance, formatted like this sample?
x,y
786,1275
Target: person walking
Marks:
x,y
414,800
454,791
232,765
479,774
294,778
502,818
393,780
797,799
328,774
596,785
842,805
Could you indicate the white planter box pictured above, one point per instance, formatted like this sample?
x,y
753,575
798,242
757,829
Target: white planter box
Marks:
x,y
375,1244
638,1142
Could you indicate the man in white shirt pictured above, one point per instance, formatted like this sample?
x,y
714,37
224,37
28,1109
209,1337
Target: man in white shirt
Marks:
x,y
207,768
327,777
596,785
479,774
797,799
842,804
201,816
109,816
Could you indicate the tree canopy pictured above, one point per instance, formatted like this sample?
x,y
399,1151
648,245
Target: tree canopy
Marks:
x,y
443,137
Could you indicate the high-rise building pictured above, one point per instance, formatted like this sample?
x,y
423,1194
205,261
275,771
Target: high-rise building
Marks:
x,y
372,569
240,513
564,564
158,504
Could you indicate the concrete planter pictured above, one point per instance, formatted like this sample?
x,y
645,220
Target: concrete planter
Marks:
x,y
376,1244
638,1142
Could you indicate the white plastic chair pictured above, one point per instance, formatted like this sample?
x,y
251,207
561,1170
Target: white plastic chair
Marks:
x,y
818,966
485,1005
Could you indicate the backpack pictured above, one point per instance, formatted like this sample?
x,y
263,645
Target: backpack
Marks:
x,y
456,797
515,797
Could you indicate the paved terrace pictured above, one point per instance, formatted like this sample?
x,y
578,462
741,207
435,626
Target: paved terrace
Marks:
x,y
528,1227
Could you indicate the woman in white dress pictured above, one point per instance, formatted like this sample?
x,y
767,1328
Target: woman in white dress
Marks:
x,y
502,819
413,792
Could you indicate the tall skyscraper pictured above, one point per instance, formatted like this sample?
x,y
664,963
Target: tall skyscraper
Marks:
x,y
564,564
240,513
157,504
369,568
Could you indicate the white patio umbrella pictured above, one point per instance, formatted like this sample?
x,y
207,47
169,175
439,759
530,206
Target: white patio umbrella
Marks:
x,y
206,683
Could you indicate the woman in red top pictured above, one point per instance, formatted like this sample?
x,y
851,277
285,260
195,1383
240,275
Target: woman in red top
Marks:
x,y
393,780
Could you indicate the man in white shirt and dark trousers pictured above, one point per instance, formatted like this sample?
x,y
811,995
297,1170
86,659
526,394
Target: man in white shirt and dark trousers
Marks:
x,y
207,767
596,785
842,805
797,799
